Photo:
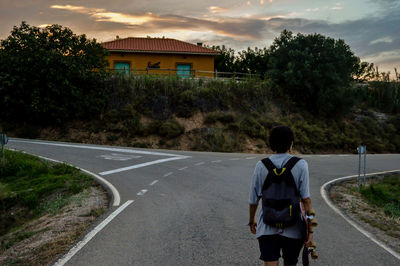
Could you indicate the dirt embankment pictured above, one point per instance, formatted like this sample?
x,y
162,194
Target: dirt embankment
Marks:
x,y
373,219
42,241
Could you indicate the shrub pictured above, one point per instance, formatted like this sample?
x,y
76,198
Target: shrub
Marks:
x,y
171,129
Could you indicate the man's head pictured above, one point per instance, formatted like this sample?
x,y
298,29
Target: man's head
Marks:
x,y
281,139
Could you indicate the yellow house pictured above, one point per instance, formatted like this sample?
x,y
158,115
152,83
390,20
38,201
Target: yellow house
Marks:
x,y
160,56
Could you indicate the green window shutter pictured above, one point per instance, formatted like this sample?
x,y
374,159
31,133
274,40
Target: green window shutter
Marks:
x,y
122,67
183,71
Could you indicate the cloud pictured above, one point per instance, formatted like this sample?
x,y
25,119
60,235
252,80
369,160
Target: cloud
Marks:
x,y
217,9
151,23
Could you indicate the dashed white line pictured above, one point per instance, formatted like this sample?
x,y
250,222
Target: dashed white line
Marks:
x,y
183,168
142,192
167,174
234,159
91,234
153,183
200,163
250,158
216,161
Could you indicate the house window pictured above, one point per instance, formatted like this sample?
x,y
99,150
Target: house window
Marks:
x,y
183,70
122,67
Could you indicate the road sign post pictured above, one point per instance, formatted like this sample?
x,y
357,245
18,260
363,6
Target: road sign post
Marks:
x,y
361,150
3,141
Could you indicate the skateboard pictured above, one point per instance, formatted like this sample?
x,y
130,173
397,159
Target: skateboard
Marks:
x,y
309,223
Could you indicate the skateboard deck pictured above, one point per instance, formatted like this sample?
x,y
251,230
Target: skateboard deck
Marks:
x,y
309,222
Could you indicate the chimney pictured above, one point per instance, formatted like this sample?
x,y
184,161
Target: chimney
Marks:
x,y
199,44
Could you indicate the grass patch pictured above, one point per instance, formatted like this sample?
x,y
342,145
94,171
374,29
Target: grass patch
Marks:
x,y
31,187
18,237
384,194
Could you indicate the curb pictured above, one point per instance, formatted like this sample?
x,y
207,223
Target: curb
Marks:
x,y
324,190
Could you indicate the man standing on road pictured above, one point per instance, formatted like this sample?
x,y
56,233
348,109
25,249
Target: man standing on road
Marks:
x,y
287,236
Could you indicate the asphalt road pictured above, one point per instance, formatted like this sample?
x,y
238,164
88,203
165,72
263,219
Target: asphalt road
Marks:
x,y
193,210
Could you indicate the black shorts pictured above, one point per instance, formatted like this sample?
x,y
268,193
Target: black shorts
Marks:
x,y
271,246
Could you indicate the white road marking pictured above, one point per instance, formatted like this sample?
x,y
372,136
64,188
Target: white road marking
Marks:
x,y
324,194
91,234
142,165
324,155
142,192
183,168
96,148
249,158
343,155
167,174
216,161
234,159
154,182
114,191
119,157
200,163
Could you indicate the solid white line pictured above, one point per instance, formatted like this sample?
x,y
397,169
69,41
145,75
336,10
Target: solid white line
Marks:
x,y
153,183
142,192
142,165
167,174
249,158
91,234
183,168
324,155
200,163
96,148
234,159
114,191
324,194
216,161
343,155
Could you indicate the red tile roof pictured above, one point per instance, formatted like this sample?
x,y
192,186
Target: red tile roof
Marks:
x,y
156,45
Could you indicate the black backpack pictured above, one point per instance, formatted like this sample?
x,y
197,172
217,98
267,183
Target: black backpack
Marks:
x,y
280,196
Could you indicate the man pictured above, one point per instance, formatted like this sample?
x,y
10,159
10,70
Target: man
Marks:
x,y
289,238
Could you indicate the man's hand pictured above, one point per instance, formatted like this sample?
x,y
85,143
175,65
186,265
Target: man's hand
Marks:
x,y
309,241
253,228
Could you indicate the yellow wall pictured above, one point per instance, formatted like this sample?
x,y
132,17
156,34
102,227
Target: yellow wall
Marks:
x,y
138,62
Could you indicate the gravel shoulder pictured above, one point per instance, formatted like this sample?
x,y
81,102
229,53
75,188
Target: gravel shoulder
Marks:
x,y
42,241
346,196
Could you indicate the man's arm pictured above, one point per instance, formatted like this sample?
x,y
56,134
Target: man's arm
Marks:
x,y
307,208
252,214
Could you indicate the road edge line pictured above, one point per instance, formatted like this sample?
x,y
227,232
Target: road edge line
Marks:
x,y
64,259
115,196
324,193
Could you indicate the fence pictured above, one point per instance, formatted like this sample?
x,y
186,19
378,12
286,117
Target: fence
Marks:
x,y
192,73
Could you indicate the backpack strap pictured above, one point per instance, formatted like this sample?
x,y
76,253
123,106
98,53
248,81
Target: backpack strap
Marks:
x,y
272,169
291,163
268,164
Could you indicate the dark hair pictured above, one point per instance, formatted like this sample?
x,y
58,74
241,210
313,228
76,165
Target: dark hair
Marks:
x,y
280,138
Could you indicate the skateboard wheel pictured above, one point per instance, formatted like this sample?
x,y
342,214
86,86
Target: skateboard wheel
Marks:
x,y
314,255
313,222
311,212
313,245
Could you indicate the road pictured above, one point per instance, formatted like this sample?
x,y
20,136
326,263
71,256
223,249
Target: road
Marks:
x,y
192,209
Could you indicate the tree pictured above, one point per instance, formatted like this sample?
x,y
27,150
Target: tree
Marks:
x,y
225,60
253,61
49,74
314,70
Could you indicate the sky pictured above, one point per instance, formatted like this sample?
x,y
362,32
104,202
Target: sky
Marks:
x,y
370,27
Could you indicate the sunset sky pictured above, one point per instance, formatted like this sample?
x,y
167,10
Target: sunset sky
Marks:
x,y
371,28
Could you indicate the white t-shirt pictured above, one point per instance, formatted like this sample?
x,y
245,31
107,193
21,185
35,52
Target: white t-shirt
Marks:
x,y
301,178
